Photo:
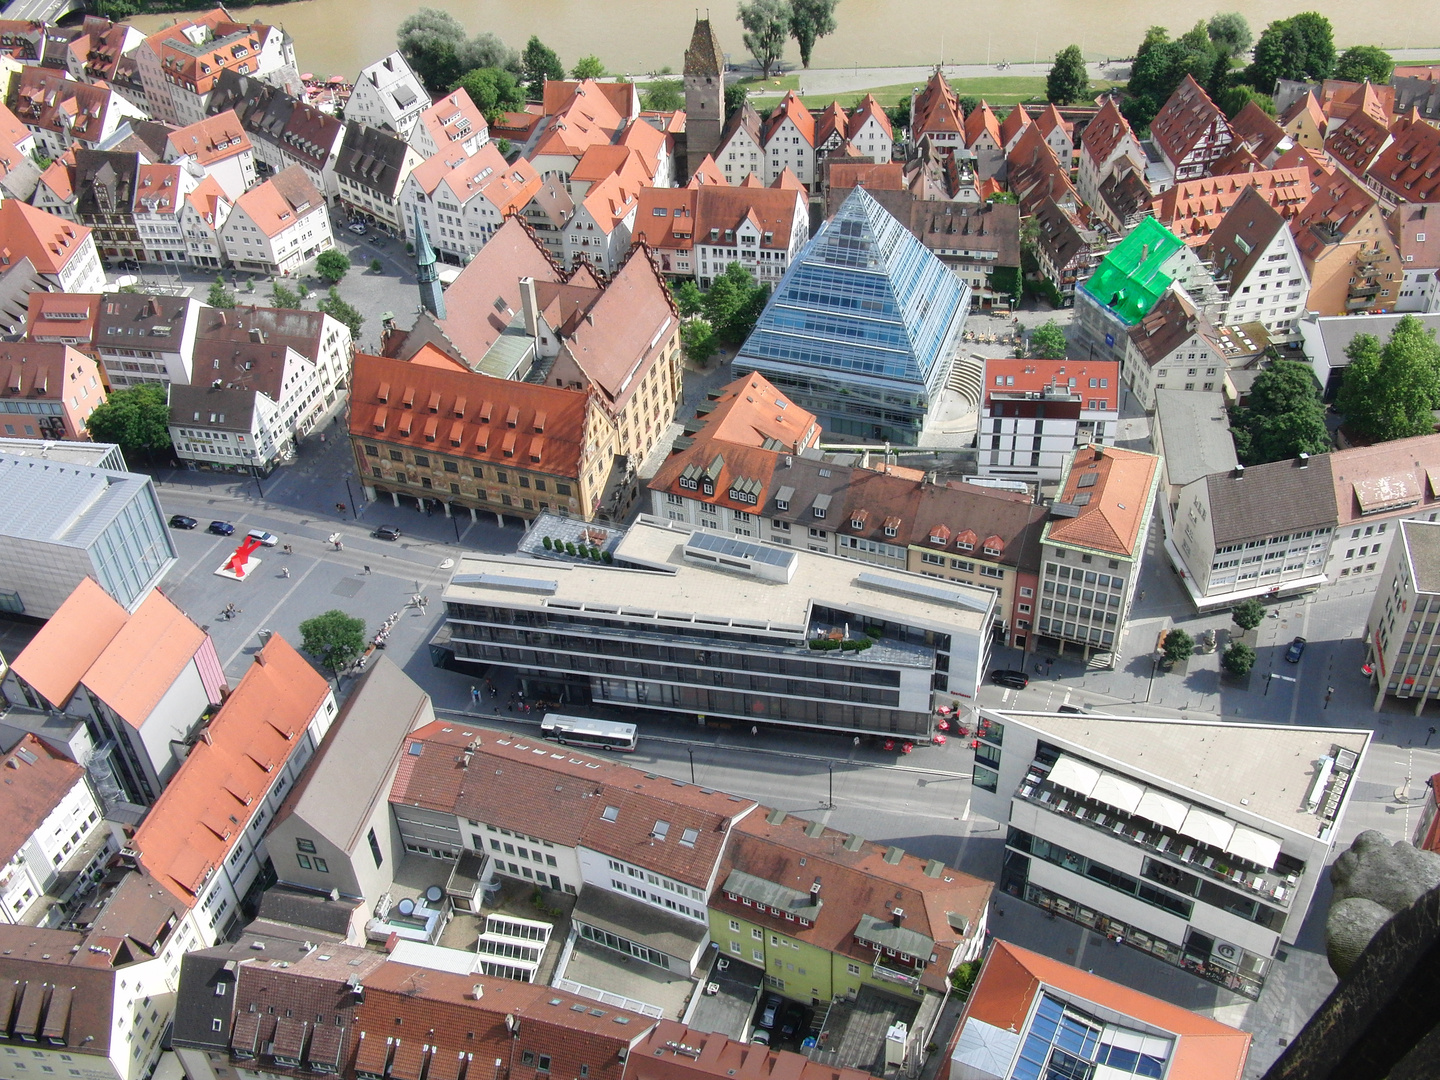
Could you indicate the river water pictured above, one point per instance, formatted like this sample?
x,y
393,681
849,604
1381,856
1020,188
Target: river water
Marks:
x,y
339,37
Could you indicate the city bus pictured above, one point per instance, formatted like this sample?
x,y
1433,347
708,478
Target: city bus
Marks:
x,y
583,731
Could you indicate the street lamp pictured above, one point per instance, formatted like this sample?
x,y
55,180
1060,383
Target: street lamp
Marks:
x,y
353,509
830,772
691,752
255,474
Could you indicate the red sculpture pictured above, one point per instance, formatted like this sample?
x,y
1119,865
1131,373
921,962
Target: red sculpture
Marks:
x,y
242,556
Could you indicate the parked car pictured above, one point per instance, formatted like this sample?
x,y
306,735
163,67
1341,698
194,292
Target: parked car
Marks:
x,y
182,521
268,539
760,1037
1296,650
1015,680
772,1006
387,532
1070,709
358,228
221,528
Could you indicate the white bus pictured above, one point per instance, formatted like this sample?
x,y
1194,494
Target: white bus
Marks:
x,y
583,731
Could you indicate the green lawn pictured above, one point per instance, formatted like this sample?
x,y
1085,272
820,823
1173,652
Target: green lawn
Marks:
x,y
1000,90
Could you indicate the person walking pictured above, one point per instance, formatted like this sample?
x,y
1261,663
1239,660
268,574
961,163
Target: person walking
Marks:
x,y
284,571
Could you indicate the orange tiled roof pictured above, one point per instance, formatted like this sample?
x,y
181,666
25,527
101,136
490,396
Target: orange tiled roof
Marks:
x,y
1407,169
453,118
467,414
672,1051
792,107
1193,209
665,218
1204,1049
707,172
1016,121
1184,119
611,201
1339,204
867,109
1104,133
1032,376
70,641
232,45
1116,512
44,98
51,315
213,139
937,108
144,659
279,202
208,804
37,779
618,96
982,122
206,199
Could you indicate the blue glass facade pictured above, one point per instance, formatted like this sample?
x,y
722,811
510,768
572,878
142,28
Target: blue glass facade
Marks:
x,y
862,327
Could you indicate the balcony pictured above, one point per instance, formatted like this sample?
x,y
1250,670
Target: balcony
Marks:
x,y
1275,887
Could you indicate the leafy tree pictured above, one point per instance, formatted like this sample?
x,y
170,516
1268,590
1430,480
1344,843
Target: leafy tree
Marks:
x,y
493,90
1283,418
1238,658
899,115
968,104
338,309
1068,81
1234,98
503,145
332,265
1389,392
767,26
663,95
302,289
1161,65
1006,279
1300,47
588,67
1179,646
1248,614
487,51
1230,33
219,296
1048,342
735,95
733,304
537,63
1361,62
283,297
688,298
432,42
811,20
138,419
333,638
698,339
375,266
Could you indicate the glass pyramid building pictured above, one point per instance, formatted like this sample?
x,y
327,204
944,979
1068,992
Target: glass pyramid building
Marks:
x,y
862,327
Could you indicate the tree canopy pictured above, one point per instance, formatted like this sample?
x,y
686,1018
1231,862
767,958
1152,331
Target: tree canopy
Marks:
x,y
1390,391
1300,47
1048,341
811,20
1068,80
332,265
333,638
733,303
1361,62
138,419
1238,658
341,311
435,45
663,95
588,67
1248,614
767,26
688,298
1283,417
1161,65
1179,646
494,91
282,296
219,296
1230,33
537,63
735,95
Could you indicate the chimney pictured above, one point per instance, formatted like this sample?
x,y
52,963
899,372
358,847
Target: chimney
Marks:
x,y
898,915
1099,452
477,991
1239,472
530,306
260,658
1304,460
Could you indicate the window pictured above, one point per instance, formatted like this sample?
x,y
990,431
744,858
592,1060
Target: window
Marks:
x,y
321,866
375,849
305,845
304,861
544,1063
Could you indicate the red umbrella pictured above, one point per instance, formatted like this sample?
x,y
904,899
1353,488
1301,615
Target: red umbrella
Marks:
x,y
906,747
943,725
939,740
889,744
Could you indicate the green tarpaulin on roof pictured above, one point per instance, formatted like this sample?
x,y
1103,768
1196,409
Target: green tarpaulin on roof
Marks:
x,y
1129,280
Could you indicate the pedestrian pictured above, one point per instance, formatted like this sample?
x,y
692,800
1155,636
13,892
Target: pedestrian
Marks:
x,y
339,546
284,571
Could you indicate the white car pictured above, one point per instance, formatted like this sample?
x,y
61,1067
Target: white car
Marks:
x,y
357,227
268,539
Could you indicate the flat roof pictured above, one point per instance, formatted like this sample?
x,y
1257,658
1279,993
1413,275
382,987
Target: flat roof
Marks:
x,y
710,598
1261,769
1422,549
54,502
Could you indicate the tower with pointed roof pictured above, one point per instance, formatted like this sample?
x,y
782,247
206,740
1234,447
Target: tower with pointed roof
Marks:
x,y
704,94
432,297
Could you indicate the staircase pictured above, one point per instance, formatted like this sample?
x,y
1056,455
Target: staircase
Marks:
x,y
967,378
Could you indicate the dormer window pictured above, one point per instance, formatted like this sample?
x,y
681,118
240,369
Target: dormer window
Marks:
x,y
892,530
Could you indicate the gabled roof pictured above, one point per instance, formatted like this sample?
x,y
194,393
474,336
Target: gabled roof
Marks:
x,y
1258,130
1276,497
210,140
1170,323
1330,215
1193,209
665,217
1316,163
773,210
936,108
226,46
982,122
1050,119
49,242
620,98
1408,169
611,201
1306,108
1408,223
627,328
55,661
293,127
53,315
1104,133
1241,239
707,172
279,202
1003,999
744,118
867,109
209,803
787,181
454,118
44,98
832,122
1016,121
37,779
144,659
1342,100
1385,476
792,108
373,157
1114,508
1357,142
1185,118
705,55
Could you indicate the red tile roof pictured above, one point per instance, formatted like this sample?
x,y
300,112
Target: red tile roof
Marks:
x,y
464,413
1356,142
70,641
1342,100
279,202
213,139
48,241
936,108
673,1051
868,108
1204,1049
44,98
1336,208
210,801
143,660
1408,170
1033,376
792,107
774,210
665,218
1119,501
1185,118
232,46
454,118
707,172
1193,209
52,316
1258,130
1016,121
37,779
1104,133
620,97
982,122
568,798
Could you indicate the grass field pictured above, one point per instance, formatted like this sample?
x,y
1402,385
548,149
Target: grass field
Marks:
x,y
999,90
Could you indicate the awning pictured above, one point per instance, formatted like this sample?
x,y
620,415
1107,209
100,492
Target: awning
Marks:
x,y
1163,810
1252,846
1114,790
1207,828
1074,775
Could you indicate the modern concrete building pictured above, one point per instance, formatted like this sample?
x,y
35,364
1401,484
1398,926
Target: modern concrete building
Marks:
x,y
862,329
1400,642
1199,842
65,522
1034,413
686,603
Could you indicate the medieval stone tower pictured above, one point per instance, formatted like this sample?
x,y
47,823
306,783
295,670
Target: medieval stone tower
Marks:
x,y
704,95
